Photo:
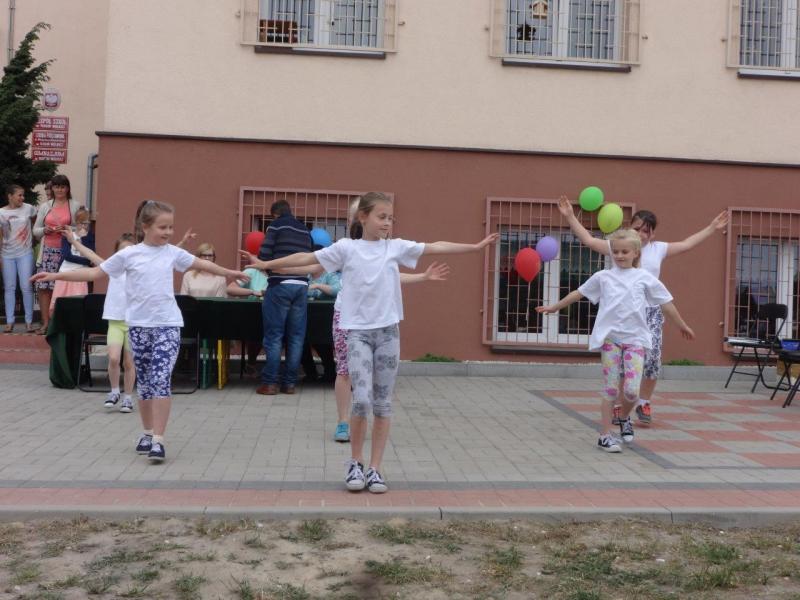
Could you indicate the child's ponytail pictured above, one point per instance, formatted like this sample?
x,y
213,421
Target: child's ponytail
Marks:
x,y
146,214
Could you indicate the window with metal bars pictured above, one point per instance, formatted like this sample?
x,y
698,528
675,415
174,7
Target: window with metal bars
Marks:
x,y
581,30
765,34
509,301
763,267
323,209
347,24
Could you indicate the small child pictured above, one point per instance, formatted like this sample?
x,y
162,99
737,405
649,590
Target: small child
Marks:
x,y
620,329
151,312
72,259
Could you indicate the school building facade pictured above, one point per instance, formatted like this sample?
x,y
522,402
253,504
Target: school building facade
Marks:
x,y
475,115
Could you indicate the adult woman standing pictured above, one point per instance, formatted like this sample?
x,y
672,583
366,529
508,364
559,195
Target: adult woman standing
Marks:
x,y
54,215
652,255
16,222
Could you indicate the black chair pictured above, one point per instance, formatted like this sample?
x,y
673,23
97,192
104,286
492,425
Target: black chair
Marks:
x,y
94,334
762,340
789,358
190,340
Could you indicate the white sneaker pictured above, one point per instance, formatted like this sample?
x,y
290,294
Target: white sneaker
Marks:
x,y
609,443
127,405
626,430
375,482
111,400
354,480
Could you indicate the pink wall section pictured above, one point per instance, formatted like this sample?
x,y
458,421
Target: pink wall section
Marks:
x,y
441,194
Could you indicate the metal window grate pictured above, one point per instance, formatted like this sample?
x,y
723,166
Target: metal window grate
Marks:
x,y
764,34
567,30
762,267
324,209
509,318
368,25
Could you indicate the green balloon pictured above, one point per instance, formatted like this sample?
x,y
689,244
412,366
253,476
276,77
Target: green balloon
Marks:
x,y
609,218
591,198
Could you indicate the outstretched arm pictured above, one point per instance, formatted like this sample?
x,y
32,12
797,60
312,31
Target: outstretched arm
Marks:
x,y
583,235
83,250
570,298
215,269
455,248
717,224
300,259
435,272
673,315
90,274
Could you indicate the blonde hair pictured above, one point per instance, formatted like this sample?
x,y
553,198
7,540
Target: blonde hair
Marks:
x,y
204,248
366,204
632,236
147,213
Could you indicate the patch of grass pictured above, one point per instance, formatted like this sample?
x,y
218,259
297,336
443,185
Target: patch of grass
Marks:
x,y
146,576
96,586
711,578
396,572
428,357
119,557
25,572
314,531
504,564
70,581
282,565
10,538
243,590
196,557
714,553
287,591
188,586
43,595
135,591
684,362
254,541
412,534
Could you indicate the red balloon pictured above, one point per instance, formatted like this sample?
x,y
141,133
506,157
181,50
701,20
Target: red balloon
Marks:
x,y
252,242
527,263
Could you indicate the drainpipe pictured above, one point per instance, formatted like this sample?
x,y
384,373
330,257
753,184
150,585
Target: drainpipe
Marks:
x,y
12,6
91,165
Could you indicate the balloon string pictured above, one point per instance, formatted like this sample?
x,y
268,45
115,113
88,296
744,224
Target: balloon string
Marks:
x,y
527,317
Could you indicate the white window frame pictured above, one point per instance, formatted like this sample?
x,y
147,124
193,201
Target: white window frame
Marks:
x,y
789,65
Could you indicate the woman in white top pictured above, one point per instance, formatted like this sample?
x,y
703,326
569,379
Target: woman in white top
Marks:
x,y
16,222
200,284
371,309
620,329
151,312
653,254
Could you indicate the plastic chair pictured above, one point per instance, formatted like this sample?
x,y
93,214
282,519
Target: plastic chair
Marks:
x,y
94,334
190,339
763,340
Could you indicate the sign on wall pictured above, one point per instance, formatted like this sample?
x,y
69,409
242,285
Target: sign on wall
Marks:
x,y
50,139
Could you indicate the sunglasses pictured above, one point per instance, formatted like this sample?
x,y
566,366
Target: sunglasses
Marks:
x,y
207,255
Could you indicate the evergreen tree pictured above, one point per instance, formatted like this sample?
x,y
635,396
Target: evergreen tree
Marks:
x,y
20,96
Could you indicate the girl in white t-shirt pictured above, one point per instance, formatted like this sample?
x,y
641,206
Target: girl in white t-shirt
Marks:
x,y
117,343
153,317
371,308
620,330
653,254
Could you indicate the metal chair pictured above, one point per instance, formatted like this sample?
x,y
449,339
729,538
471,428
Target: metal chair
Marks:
x,y
190,339
763,340
94,334
788,358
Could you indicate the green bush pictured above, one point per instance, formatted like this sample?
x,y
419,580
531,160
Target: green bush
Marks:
x,y
428,357
684,362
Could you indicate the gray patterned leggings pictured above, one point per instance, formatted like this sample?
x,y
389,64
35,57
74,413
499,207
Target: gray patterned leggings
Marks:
x,y
373,356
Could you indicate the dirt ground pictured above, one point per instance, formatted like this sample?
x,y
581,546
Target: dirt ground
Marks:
x,y
345,559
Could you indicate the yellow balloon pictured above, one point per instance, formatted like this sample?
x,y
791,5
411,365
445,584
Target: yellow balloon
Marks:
x,y
609,218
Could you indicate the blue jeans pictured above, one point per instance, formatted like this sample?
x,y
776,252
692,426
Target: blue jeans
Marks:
x,y
284,314
21,267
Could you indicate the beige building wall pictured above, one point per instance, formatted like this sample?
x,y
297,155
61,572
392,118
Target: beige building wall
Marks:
x,y
77,42
178,67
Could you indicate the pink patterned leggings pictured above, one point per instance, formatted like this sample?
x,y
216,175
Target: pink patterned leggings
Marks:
x,y
617,359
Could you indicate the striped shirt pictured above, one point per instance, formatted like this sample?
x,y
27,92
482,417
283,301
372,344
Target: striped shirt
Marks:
x,y
285,236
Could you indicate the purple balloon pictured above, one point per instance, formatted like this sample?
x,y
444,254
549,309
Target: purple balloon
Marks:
x,y
547,247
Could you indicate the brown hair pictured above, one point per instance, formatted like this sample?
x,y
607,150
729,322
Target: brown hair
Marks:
x,y
366,204
146,215
62,180
647,218
82,212
125,237
12,189
629,235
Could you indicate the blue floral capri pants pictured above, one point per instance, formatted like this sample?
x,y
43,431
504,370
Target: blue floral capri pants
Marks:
x,y
155,350
373,357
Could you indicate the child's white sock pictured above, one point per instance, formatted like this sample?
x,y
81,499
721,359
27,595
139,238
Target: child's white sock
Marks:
x,y
115,390
148,432
158,439
642,402
128,398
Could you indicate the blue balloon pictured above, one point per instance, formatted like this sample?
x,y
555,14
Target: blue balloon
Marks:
x,y
320,237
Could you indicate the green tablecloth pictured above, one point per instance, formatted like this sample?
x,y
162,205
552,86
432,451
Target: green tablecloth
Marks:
x,y
219,318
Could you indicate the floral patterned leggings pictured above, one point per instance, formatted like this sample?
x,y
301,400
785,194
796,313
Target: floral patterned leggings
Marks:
x,y
155,350
373,357
621,360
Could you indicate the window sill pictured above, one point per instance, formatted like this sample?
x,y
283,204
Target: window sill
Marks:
x,y
566,64
543,350
306,51
748,73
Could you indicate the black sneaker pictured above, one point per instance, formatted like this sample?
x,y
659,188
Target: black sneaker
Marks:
x,y
375,482
626,430
354,480
111,400
157,453
609,443
144,444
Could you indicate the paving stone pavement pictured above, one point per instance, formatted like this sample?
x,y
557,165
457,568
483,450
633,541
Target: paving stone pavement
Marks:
x,y
459,445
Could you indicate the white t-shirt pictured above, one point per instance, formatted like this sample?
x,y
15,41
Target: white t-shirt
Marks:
x,y
370,296
150,301
624,296
17,230
114,306
653,254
